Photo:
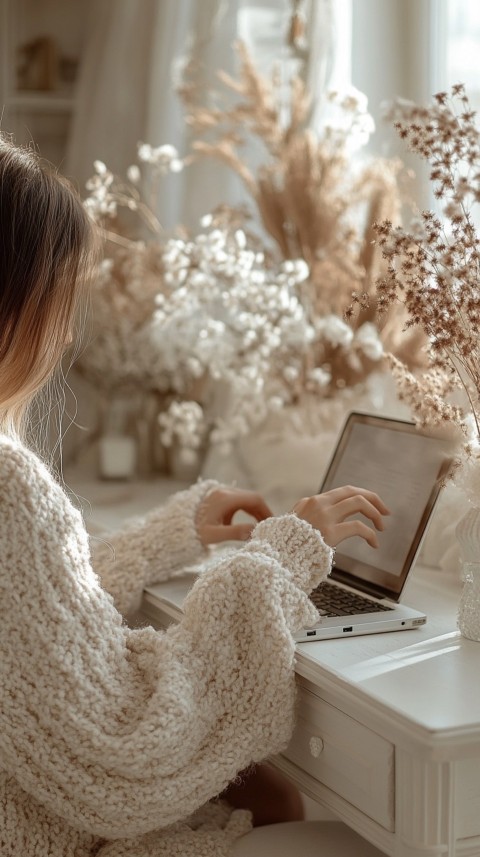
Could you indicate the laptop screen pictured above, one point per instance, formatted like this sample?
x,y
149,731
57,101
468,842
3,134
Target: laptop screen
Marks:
x,y
407,469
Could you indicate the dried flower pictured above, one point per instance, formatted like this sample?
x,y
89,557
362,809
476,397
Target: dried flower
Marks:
x,y
118,356
185,423
433,268
231,321
164,158
221,316
311,198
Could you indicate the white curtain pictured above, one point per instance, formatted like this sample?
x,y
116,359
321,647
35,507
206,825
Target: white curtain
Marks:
x,y
126,90
126,93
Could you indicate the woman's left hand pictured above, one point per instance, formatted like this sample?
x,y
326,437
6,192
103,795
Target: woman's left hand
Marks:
x,y
215,513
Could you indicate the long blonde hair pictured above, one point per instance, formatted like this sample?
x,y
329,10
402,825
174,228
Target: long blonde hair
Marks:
x,y
46,255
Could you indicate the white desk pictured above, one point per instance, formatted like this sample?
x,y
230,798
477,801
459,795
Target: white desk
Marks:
x,y
388,726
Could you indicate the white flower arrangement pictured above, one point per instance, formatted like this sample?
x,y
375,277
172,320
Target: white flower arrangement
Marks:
x,y
183,423
227,322
212,323
233,328
231,322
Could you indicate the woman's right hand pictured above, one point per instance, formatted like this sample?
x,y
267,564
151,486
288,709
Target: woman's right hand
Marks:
x,y
330,513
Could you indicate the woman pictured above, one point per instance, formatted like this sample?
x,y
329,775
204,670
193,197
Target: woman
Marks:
x,y
116,741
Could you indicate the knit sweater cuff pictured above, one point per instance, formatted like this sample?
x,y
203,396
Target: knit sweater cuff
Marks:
x,y
177,534
300,548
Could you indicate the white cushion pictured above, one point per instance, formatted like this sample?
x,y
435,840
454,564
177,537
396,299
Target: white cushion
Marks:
x,y
305,838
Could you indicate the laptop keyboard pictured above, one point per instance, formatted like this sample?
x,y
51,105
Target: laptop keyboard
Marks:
x,y
331,600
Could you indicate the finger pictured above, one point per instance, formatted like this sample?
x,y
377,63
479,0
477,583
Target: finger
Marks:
x,y
234,532
347,529
359,504
240,532
376,501
351,490
255,505
246,501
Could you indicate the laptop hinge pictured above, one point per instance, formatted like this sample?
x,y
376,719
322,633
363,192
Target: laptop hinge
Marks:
x,y
363,585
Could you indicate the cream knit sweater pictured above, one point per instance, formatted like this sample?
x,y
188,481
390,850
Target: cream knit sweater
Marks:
x,y
114,741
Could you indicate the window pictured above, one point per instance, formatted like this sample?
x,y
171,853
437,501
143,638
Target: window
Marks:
x,y
463,47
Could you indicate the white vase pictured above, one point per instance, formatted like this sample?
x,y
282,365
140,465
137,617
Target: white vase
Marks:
x,y
468,535
117,456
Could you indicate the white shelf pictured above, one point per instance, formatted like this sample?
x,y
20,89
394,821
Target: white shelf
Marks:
x,y
40,116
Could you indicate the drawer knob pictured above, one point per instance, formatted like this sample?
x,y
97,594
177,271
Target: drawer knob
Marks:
x,y
316,746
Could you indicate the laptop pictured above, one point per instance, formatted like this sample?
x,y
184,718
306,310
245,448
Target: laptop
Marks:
x,y
407,469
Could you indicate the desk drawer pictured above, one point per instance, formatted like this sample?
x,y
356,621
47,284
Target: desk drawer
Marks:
x,y
351,760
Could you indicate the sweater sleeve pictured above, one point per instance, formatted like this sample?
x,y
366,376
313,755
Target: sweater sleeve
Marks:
x,y
150,549
121,731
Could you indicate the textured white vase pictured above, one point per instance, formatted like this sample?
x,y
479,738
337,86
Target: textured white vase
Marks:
x,y
468,535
